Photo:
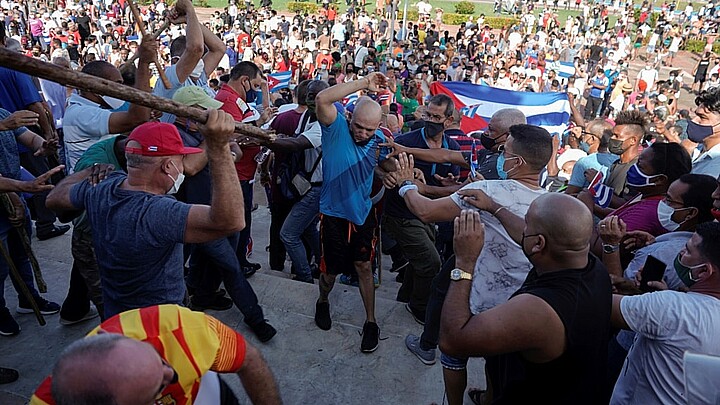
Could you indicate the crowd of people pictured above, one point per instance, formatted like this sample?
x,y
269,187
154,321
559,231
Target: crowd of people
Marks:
x,y
580,265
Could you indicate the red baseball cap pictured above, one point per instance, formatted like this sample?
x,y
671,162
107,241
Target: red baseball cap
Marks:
x,y
158,139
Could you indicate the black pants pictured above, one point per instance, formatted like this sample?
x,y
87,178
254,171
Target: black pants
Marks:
x,y
591,108
279,210
440,285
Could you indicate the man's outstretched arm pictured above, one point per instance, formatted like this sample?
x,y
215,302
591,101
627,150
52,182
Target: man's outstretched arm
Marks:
x,y
326,111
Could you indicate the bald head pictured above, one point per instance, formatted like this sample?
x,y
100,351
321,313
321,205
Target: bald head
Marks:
x,y
367,108
564,220
503,119
365,120
107,368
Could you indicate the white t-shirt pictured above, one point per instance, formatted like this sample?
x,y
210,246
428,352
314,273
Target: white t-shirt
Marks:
x,y
84,124
312,133
501,267
667,324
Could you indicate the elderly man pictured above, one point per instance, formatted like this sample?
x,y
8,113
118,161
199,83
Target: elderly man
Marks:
x,y
136,227
351,151
549,341
162,354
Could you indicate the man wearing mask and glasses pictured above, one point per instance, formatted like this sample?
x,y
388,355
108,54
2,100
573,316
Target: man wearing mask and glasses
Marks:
x,y
417,238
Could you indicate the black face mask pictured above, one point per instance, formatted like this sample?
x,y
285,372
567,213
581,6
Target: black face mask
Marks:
x,y
433,128
487,142
616,147
358,143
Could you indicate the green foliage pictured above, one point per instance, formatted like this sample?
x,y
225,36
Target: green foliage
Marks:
x,y
412,15
497,23
454,19
698,46
200,3
465,7
302,7
651,21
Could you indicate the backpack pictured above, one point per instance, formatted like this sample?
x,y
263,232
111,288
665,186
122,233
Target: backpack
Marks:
x,y
293,181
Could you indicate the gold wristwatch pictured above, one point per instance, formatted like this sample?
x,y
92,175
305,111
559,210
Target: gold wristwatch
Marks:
x,y
458,274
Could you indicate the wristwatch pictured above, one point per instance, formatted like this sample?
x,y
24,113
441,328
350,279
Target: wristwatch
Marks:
x,y
407,183
608,249
458,274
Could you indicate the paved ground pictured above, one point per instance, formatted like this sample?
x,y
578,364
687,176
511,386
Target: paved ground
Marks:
x,y
311,365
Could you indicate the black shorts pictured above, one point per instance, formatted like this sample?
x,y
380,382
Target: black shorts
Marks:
x,y
344,243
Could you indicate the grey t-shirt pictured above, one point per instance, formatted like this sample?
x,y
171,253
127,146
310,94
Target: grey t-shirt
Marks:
x,y
138,239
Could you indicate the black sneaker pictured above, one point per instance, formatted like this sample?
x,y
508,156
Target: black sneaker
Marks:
x,y
8,375
417,315
46,307
370,334
264,331
248,271
53,232
8,326
322,315
218,303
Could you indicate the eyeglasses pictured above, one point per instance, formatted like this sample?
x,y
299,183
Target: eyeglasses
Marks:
x,y
433,117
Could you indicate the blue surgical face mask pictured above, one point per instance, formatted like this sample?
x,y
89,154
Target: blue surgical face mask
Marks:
x,y
500,167
502,174
697,133
585,147
636,178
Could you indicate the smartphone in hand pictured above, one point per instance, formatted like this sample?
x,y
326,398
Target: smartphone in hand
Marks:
x,y
653,270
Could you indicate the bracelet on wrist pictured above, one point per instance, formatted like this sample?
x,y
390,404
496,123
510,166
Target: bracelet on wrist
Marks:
x,y
498,210
404,189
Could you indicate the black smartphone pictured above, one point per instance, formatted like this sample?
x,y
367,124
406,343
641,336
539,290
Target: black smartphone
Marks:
x,y
653,270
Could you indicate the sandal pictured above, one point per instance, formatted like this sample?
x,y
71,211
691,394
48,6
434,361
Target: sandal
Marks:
x,y
8,375
477,396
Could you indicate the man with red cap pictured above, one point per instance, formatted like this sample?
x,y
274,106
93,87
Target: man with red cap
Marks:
x,y
139,231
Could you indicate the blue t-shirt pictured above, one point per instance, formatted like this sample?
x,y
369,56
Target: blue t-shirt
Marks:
x,y
348,171
600,161
9,157
17,92
171,73
394,204
138,239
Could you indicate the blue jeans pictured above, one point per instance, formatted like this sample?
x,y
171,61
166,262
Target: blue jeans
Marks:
x,y
214,262
12,243
247,190
302,222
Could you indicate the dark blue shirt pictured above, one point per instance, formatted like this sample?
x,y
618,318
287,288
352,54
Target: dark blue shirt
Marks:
x,y
394,204
138,239
195,189
9,157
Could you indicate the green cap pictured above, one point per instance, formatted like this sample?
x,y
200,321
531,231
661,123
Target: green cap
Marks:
x,y
195,95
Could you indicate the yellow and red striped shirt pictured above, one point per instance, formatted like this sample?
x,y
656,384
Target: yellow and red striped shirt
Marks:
x,y
192,343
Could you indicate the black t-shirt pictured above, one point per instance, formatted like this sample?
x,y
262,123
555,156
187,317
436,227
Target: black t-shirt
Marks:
x,y
83,23
596,52
582,298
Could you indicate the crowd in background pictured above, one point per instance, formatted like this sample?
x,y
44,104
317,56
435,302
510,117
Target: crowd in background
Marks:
x,y
364,150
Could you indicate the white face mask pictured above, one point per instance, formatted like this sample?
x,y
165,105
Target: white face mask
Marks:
x,y
199,69
113,102
176,182
665,213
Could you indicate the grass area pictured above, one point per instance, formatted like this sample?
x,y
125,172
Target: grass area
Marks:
x,y
447,6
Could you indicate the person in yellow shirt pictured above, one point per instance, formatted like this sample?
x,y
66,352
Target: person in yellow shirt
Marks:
x,y
163,354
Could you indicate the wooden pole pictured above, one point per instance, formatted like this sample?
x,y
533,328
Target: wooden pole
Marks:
x,y
141,26
67,77
136,55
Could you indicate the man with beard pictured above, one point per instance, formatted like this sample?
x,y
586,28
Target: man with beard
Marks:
x,y
351,151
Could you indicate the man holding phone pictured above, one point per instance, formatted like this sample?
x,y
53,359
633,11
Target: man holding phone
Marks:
x,y
670,323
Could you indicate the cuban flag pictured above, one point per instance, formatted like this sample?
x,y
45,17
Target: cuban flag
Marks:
x,y
601,193
478,103
277,81
563,69
473,159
